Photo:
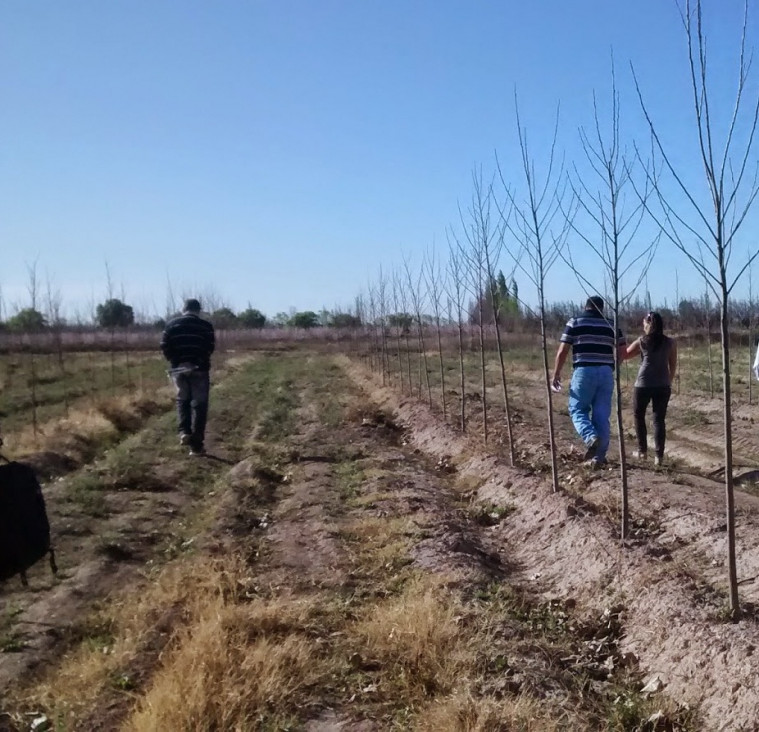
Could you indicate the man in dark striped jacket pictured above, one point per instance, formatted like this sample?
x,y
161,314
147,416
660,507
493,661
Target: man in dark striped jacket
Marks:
x,y
187,343
592,340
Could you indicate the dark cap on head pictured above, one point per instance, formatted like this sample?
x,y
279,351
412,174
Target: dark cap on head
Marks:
x,y
191,305
596,302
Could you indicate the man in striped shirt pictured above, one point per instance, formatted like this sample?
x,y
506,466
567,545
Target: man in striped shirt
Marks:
x,y
591,338
187,343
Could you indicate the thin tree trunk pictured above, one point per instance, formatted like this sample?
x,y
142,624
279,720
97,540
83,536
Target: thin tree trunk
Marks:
x,y
424,374
400,362
408,360
33,388
504,387
463,377
442,368
728,418
750,358
549,394
484,379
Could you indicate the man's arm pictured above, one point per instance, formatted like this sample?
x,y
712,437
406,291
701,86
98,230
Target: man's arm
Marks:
x,y
561,357
165,344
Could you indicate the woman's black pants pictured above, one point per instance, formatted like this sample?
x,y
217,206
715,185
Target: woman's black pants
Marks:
x,y
659,398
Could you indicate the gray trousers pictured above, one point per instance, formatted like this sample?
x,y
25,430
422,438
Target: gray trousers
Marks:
x,y
192,404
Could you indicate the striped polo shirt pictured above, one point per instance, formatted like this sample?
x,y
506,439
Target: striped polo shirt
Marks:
x,y
188,339
592,339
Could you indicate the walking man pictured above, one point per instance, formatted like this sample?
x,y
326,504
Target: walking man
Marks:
x,y
591,338
187,343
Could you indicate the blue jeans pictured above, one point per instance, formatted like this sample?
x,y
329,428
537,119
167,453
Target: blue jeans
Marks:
x,y
192,405
590,393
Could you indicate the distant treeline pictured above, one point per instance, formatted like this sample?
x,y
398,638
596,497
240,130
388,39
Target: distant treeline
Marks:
x,y
692,315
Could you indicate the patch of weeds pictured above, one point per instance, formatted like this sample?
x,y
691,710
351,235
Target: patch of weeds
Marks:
x,y
642,529
350,476
123,681
490,514
496,593
628,709
125,470
177,544
86,490
11,640
692,417
277,421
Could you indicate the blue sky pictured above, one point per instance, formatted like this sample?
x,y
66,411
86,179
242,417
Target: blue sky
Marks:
x,y
280,152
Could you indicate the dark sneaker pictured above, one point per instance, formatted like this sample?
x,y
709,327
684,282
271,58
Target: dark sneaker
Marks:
x,y
185,438
596,464
658,461
197,451
590,453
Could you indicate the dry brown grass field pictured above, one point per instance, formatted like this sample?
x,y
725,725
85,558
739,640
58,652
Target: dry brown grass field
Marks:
x,y
346,559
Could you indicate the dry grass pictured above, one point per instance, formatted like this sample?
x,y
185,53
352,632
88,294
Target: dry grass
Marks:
x,y
464,712
91,423
232,665
417,639
379,545
114,639
223,660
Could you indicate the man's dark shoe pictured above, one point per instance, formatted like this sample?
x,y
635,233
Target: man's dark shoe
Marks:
x,y
197,451
185,438
590,453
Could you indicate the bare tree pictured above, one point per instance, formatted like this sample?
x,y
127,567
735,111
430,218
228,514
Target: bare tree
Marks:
x,y
111,328
477,228
678,321
373,343
397,322
456,290
382,305
750,333
624,255
33,290
54,320
434,277
531,227
403,300
417,303
731,181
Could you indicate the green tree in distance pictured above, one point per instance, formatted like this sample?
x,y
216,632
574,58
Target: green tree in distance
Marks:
x,y
27,320
113,313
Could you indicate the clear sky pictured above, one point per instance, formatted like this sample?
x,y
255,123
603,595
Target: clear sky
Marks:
x,y
279,152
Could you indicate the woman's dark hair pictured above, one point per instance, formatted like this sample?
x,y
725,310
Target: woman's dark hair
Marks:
x,y
655,337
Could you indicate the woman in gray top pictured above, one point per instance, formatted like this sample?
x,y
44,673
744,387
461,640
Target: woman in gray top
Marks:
x,y
654,383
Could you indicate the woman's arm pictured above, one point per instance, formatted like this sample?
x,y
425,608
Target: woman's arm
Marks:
x,y
633,349
672,361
